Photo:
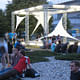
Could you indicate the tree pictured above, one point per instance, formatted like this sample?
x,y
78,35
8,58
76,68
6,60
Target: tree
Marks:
x,y
3,22
22,4
69,24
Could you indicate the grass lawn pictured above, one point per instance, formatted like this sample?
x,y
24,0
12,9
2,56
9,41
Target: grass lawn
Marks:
x,y
39,56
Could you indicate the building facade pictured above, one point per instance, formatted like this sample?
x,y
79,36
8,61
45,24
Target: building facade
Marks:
x,y
74,18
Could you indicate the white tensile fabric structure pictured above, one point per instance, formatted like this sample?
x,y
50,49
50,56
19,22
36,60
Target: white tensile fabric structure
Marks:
x,y
40,19
47,11
18,21
59,30
38,15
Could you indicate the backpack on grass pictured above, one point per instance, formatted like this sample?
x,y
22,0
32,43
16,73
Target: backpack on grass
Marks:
x,y
31,73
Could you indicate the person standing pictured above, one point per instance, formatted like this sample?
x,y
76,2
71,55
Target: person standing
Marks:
x,y
14,37
6,36
53,46
10,34
3,52
49,42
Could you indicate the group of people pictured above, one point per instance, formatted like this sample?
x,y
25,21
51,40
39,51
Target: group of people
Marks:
x,y
55,44
13,41
17,62
18,65
10,36
48,41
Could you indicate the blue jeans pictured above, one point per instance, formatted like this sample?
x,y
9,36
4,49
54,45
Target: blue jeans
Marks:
x,y
5,70
7,73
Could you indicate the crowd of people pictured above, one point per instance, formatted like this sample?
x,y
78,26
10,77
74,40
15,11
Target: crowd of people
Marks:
x,y
11,48
56,45
17,62
10,37
13,41
18,65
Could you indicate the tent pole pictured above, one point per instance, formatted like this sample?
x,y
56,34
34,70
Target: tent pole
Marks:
x,y
27,27
46,26
65,25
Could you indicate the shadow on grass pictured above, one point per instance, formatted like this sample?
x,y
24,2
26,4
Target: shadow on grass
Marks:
x,y
39,56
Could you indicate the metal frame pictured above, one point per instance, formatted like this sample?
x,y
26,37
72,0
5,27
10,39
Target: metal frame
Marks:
x,y
48,10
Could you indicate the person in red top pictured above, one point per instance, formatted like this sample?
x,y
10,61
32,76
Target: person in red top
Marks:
x,y
18,68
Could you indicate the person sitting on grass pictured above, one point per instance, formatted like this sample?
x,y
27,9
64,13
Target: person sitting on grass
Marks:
x,y
14,57
18,68
53,46
18,44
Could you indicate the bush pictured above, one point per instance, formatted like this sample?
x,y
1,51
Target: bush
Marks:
x,y
73,56
39,56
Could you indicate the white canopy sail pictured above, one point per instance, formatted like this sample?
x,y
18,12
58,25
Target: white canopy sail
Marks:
x,y
18,21
59,30
40,17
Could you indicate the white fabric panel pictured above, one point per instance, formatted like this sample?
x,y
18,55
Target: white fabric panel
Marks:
x,y
59,30
40,17
38,23
18,21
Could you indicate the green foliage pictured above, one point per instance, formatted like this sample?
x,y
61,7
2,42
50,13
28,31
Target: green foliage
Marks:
x,y
50,24
39,56
68,56
32,22
22,4
69,24
3,22
39,30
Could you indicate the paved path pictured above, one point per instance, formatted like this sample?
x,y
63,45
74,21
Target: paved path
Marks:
x,y
52,70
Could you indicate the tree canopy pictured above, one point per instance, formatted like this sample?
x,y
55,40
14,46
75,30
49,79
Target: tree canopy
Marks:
x,y
22,4
3,22
5,16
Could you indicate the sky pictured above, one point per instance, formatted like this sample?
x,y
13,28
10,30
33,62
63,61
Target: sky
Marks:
x,y
57,1
3,4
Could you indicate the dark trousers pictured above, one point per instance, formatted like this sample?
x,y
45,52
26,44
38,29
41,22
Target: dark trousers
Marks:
x,y
8,73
